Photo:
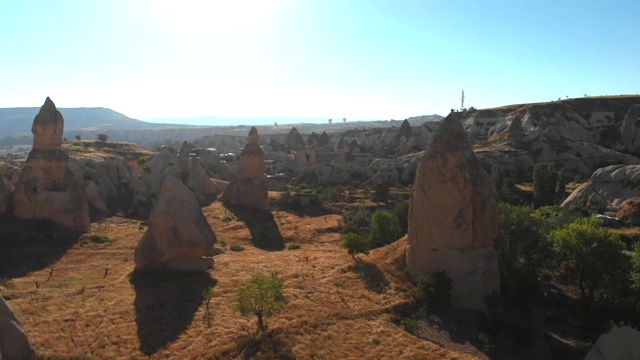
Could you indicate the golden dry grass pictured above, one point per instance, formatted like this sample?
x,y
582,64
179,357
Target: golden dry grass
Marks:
x,y
336,309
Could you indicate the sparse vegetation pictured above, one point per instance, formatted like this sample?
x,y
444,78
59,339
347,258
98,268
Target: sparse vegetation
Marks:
x,y
100,239
293,246
236,247
262,296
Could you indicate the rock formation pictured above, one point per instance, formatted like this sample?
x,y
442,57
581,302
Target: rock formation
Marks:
x,y
193,175
612,184
250,187
515,131
294,140
14,343
340,152
47,127
620,343
323,140
179,236
405,130
453,218
47,189
629,212
630,129
313,157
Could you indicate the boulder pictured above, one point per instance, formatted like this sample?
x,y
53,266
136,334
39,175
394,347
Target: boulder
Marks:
x,y
619,343
47,188
179,236
453,218
14,343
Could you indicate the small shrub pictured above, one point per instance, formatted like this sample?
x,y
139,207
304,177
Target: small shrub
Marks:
x,y
262,296
355,244
100,239
293,246
409,323
236,247
7,283
222,243
433,291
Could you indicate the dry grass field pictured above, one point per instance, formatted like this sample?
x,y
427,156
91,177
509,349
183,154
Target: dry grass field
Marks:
x,y
82,300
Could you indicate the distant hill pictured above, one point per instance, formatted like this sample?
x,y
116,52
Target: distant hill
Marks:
x,y
15,121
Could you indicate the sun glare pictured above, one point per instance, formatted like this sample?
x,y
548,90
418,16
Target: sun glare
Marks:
x,y
195,18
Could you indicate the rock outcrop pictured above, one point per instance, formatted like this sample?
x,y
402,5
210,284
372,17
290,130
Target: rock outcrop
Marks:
x,y
250,188
47,189
620,343
629,212
179,236
294,140
453,218
612,184
14,343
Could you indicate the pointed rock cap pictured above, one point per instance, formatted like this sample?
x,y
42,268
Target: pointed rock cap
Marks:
x,y
294,140
405,129
186,148
341,143
323,139
47,126
253,135
450,133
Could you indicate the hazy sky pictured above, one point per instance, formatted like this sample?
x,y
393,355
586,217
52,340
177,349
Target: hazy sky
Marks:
x,y
313,58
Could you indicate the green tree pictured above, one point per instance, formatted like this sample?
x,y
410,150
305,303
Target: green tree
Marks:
x,y
498,178
561,186
635,266
401,212
103,137
524,254
384,228
592,254
355,244
78,137
262,296
380,191
544,184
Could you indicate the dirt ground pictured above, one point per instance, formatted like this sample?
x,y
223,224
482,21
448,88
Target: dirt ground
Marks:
x,y
82,300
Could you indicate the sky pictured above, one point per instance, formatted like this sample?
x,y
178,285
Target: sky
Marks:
x,y
359,59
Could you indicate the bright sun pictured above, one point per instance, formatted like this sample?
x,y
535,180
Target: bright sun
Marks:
x,y
195,18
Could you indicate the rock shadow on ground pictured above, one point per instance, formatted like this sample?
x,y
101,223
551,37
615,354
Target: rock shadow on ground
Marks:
x,y
165,304
264,230
31,245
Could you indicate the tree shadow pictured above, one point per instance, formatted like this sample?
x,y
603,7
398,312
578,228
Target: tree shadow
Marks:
x,y
269,345
374,279
264,230
31,245
165,304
